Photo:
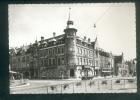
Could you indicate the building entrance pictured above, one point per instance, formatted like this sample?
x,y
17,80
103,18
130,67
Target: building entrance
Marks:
x,y
71,72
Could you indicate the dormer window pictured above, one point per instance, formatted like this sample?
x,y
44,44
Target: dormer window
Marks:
x,y
83,43
78,41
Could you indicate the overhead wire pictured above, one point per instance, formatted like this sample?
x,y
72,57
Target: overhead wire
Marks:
x,y
95,23
102,15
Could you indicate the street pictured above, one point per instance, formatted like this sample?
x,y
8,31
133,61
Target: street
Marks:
x,y
96,85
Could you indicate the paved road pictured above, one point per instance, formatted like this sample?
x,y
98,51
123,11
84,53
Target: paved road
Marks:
x,y
41,86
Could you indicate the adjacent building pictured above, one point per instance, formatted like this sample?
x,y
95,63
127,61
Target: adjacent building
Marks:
x,y
119,65
20,60
106,63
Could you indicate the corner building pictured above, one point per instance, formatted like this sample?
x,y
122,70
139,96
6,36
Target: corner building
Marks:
x,y
66,55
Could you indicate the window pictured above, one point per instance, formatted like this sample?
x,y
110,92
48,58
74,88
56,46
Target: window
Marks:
x,y
78,61
84,61
84,51
23,59
81,60
90,62
87,61
54,42
47,52
93,63
14,60
62,61
83,43
53,61
27,58
53,51
60,41
49,62
78,50
42,62
58,50
62,50
96,63
46,62
59,61
81,50
18,59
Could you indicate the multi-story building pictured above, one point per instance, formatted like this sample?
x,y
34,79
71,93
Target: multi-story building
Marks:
x,y
119,65
131,66
106,63
25,60
52,57
66,55
19,60
134,64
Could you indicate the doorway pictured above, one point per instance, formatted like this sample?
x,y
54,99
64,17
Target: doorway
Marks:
x,y
71,72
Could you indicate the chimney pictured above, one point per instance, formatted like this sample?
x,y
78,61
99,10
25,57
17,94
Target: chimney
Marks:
x,y
89,40
42,38
84,37
54,34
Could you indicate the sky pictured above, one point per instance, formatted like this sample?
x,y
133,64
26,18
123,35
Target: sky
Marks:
x,y
115,24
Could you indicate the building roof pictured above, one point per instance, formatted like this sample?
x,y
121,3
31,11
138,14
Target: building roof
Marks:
x,y
19,51
103,53
56,38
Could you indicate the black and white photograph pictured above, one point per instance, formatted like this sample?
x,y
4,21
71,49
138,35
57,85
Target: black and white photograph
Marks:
x,y
72,48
